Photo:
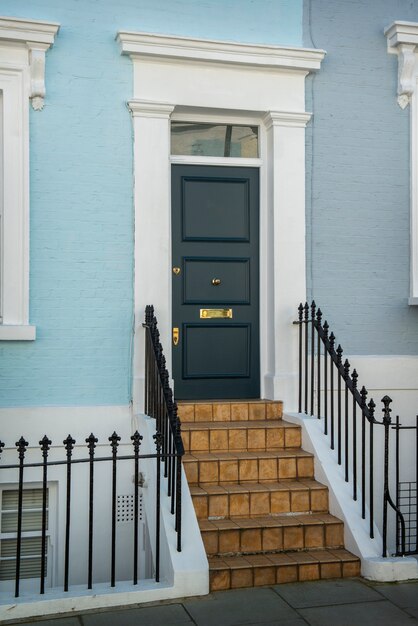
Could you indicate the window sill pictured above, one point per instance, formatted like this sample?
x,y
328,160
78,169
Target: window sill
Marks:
x,y
22,332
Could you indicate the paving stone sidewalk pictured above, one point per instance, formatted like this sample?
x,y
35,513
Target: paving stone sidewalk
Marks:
x,y
352,602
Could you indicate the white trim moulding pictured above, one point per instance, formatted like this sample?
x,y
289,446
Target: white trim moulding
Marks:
x,y
23,332
147,44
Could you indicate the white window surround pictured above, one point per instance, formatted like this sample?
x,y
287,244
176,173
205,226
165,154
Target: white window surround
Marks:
x,y
402,39
23,44
199,80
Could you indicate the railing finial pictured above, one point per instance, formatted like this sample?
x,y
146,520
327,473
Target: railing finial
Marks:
x,y
354,378
371,406
386,409
346,369
363,394
339,355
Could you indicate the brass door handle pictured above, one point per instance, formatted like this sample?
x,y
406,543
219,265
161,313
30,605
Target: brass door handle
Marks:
x,y
176,336
216,282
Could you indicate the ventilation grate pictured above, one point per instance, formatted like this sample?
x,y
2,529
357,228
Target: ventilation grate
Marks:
x,y
126,508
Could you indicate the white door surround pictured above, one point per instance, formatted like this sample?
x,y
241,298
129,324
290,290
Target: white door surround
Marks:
x,y
188,79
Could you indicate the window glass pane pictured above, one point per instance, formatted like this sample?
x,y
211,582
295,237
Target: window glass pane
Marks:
x,y
30,564
31,520
31,510
30,546
219,140
31,499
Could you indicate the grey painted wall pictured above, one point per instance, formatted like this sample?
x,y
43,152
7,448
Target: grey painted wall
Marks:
x,y
358,178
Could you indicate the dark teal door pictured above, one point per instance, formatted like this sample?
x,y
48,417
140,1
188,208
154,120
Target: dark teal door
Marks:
x,y
215,250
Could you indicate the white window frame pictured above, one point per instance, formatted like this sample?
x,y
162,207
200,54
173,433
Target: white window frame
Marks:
x,y
402,39
23,44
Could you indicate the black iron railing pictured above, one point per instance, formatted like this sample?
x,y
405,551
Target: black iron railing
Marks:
x,y
168,454
49,470
406,495
160,404
329,391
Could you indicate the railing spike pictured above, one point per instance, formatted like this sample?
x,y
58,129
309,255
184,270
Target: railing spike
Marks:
x,y
114,440
45,444
386,409
300,311
136,439
354,378
149,311
69,443
21,445
364,394
346,369
91,442
339,354
158,438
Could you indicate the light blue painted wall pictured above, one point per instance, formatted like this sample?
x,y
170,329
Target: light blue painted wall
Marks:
x,y
81,189
358,194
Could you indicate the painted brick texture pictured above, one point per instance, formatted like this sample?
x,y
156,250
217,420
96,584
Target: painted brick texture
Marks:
x,y
358,178
81,233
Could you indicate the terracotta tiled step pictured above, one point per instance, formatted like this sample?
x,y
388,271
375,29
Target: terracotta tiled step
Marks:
x,y
259,499
240,436
271,534
241,467
224,411
269,569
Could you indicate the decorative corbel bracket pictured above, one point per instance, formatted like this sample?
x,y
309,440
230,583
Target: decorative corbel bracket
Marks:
x,y
36,36
37,74
406,71
402,39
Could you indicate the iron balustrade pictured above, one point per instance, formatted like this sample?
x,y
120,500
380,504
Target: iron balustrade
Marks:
x,y
160,404
90,461
169,451
330,392
406,495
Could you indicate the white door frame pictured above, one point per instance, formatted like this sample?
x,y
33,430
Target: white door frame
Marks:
x,y
188,79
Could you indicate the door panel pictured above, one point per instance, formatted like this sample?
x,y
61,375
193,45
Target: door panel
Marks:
x,y
215,209
234,286
215,245
205,359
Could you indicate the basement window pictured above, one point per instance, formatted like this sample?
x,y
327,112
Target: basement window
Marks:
x,y
215,140
31,546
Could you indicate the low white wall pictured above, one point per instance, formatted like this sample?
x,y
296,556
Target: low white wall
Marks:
x,y
188,570
342,505
181,574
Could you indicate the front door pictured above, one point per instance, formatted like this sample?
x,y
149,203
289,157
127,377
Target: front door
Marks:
x,y
215,251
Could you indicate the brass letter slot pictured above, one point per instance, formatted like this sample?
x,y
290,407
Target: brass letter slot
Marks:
x,y
215,313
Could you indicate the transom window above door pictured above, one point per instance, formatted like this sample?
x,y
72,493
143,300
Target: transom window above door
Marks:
x,y
215,140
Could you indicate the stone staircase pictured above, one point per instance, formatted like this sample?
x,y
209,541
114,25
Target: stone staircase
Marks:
x,y
263,517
